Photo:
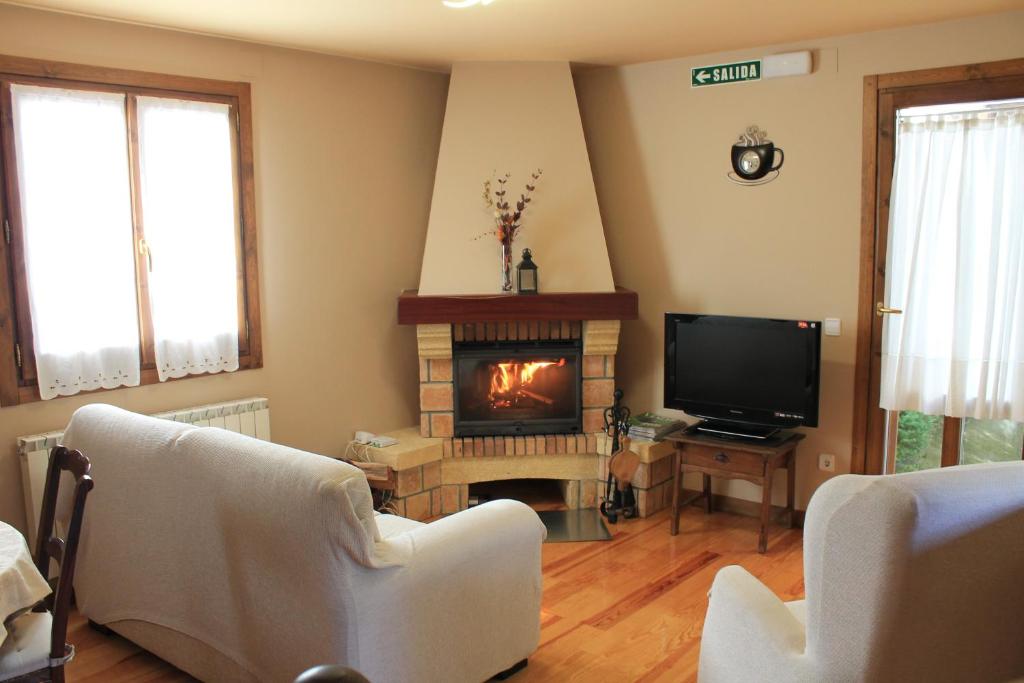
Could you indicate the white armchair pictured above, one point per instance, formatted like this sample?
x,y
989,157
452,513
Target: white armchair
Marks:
x,y
242,560
908,577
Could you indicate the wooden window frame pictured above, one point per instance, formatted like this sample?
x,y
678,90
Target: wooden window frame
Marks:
x,y
883,95
17,356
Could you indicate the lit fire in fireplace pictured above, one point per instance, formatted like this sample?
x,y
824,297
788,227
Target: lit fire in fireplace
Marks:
x,y
510,383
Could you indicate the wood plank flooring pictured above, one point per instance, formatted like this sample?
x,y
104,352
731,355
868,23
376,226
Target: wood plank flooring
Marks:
x,y
629,609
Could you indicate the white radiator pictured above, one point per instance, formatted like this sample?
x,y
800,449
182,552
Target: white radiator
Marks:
x,y
249,416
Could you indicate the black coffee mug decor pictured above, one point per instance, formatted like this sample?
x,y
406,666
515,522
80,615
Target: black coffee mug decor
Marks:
x,y
754,157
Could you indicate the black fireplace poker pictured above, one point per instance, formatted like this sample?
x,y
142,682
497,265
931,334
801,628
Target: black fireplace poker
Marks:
x,y
617,501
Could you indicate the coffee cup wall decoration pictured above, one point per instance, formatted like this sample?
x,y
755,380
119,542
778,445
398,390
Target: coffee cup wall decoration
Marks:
x,y
754,158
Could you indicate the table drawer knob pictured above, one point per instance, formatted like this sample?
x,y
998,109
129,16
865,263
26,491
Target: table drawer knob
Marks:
x,y
721,457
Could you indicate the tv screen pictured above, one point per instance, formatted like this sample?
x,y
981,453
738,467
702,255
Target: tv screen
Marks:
x,y
754,371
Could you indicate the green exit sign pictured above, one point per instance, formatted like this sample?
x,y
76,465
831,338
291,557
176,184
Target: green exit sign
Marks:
x,y
720,74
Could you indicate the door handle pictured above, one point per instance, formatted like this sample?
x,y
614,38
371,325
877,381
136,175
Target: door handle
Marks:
x,y
881,309
721,457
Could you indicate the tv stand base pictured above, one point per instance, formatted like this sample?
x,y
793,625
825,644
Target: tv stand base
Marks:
x,y
753,461
736,430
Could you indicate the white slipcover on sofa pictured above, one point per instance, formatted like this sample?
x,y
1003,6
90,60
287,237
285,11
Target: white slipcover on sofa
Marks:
x,y
240,560
909,577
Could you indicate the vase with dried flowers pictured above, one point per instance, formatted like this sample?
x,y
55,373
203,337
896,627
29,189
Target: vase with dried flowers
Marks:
x,y
507,219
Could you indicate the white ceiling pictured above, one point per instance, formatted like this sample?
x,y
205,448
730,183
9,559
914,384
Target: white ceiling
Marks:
x,y
426,34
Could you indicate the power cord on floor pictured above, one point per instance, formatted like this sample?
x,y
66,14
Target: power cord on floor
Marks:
x,y
360,452
357,451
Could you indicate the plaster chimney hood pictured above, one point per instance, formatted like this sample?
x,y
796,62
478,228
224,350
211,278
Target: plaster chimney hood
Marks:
x,y
514,117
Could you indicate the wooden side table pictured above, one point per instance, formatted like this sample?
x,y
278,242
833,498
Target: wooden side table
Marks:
x,y
733,459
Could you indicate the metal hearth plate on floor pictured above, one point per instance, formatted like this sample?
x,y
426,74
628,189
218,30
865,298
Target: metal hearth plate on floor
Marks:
x,y
569,526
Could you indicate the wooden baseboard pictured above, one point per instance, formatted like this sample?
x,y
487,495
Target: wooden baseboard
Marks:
x,y
740,506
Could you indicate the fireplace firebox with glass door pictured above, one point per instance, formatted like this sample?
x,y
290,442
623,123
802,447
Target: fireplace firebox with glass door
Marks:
x,y
512,388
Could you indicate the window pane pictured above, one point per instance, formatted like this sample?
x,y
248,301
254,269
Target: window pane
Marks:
x,y
72,161
991,441
919,441
189,213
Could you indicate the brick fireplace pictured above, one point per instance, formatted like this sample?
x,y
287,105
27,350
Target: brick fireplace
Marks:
x,y
435,464
569,454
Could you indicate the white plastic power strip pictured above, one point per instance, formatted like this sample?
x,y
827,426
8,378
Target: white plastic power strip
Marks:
x,y
371,439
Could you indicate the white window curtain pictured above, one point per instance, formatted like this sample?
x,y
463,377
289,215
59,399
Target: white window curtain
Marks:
x,y
72,158
189,214
956,267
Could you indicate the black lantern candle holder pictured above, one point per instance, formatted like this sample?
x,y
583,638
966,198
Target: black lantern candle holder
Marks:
x,y
526,274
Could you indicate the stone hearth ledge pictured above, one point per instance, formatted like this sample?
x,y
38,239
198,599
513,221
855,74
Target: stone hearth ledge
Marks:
x,y
429,485
412,450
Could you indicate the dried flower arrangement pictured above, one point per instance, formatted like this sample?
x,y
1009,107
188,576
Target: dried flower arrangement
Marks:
x,y
507,220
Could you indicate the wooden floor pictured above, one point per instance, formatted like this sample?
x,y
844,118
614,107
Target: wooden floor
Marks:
x,y
629,609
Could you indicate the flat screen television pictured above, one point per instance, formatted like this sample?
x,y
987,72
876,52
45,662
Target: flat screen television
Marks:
x,y
744,376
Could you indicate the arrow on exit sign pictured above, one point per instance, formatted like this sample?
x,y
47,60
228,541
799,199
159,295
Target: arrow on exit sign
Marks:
x,y
720,74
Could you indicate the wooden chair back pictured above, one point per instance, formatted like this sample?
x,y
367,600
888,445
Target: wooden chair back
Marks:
x,y
63,551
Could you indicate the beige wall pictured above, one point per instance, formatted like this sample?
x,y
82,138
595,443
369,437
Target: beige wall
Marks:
x,y
514,117
345,157
690,241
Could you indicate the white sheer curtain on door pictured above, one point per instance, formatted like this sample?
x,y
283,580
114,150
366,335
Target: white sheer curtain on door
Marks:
x,y
956,267
190,224
72,157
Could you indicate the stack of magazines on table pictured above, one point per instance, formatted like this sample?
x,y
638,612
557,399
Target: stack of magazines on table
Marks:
x,y
652,427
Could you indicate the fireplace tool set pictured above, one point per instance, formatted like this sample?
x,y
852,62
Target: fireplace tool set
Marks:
x,y
619,498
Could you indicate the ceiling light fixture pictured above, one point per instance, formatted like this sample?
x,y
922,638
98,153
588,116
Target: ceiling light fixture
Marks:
x,y
462,4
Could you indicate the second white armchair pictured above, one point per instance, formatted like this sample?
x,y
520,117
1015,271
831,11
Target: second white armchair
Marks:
x,y
909,577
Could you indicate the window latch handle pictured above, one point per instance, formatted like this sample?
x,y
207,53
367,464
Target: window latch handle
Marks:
x,y
145,251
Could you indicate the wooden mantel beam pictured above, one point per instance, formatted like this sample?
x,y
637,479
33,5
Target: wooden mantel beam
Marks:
x,y
413,309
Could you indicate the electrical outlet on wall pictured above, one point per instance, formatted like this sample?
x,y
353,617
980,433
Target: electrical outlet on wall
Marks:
x,y
826,462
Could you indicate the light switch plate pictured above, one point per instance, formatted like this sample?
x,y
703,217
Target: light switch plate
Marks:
x,y
833,327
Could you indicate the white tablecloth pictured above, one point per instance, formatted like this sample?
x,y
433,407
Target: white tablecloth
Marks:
x,y
21,584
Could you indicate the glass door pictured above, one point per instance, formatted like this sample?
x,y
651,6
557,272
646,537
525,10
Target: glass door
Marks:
x,y
941,335
909,418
